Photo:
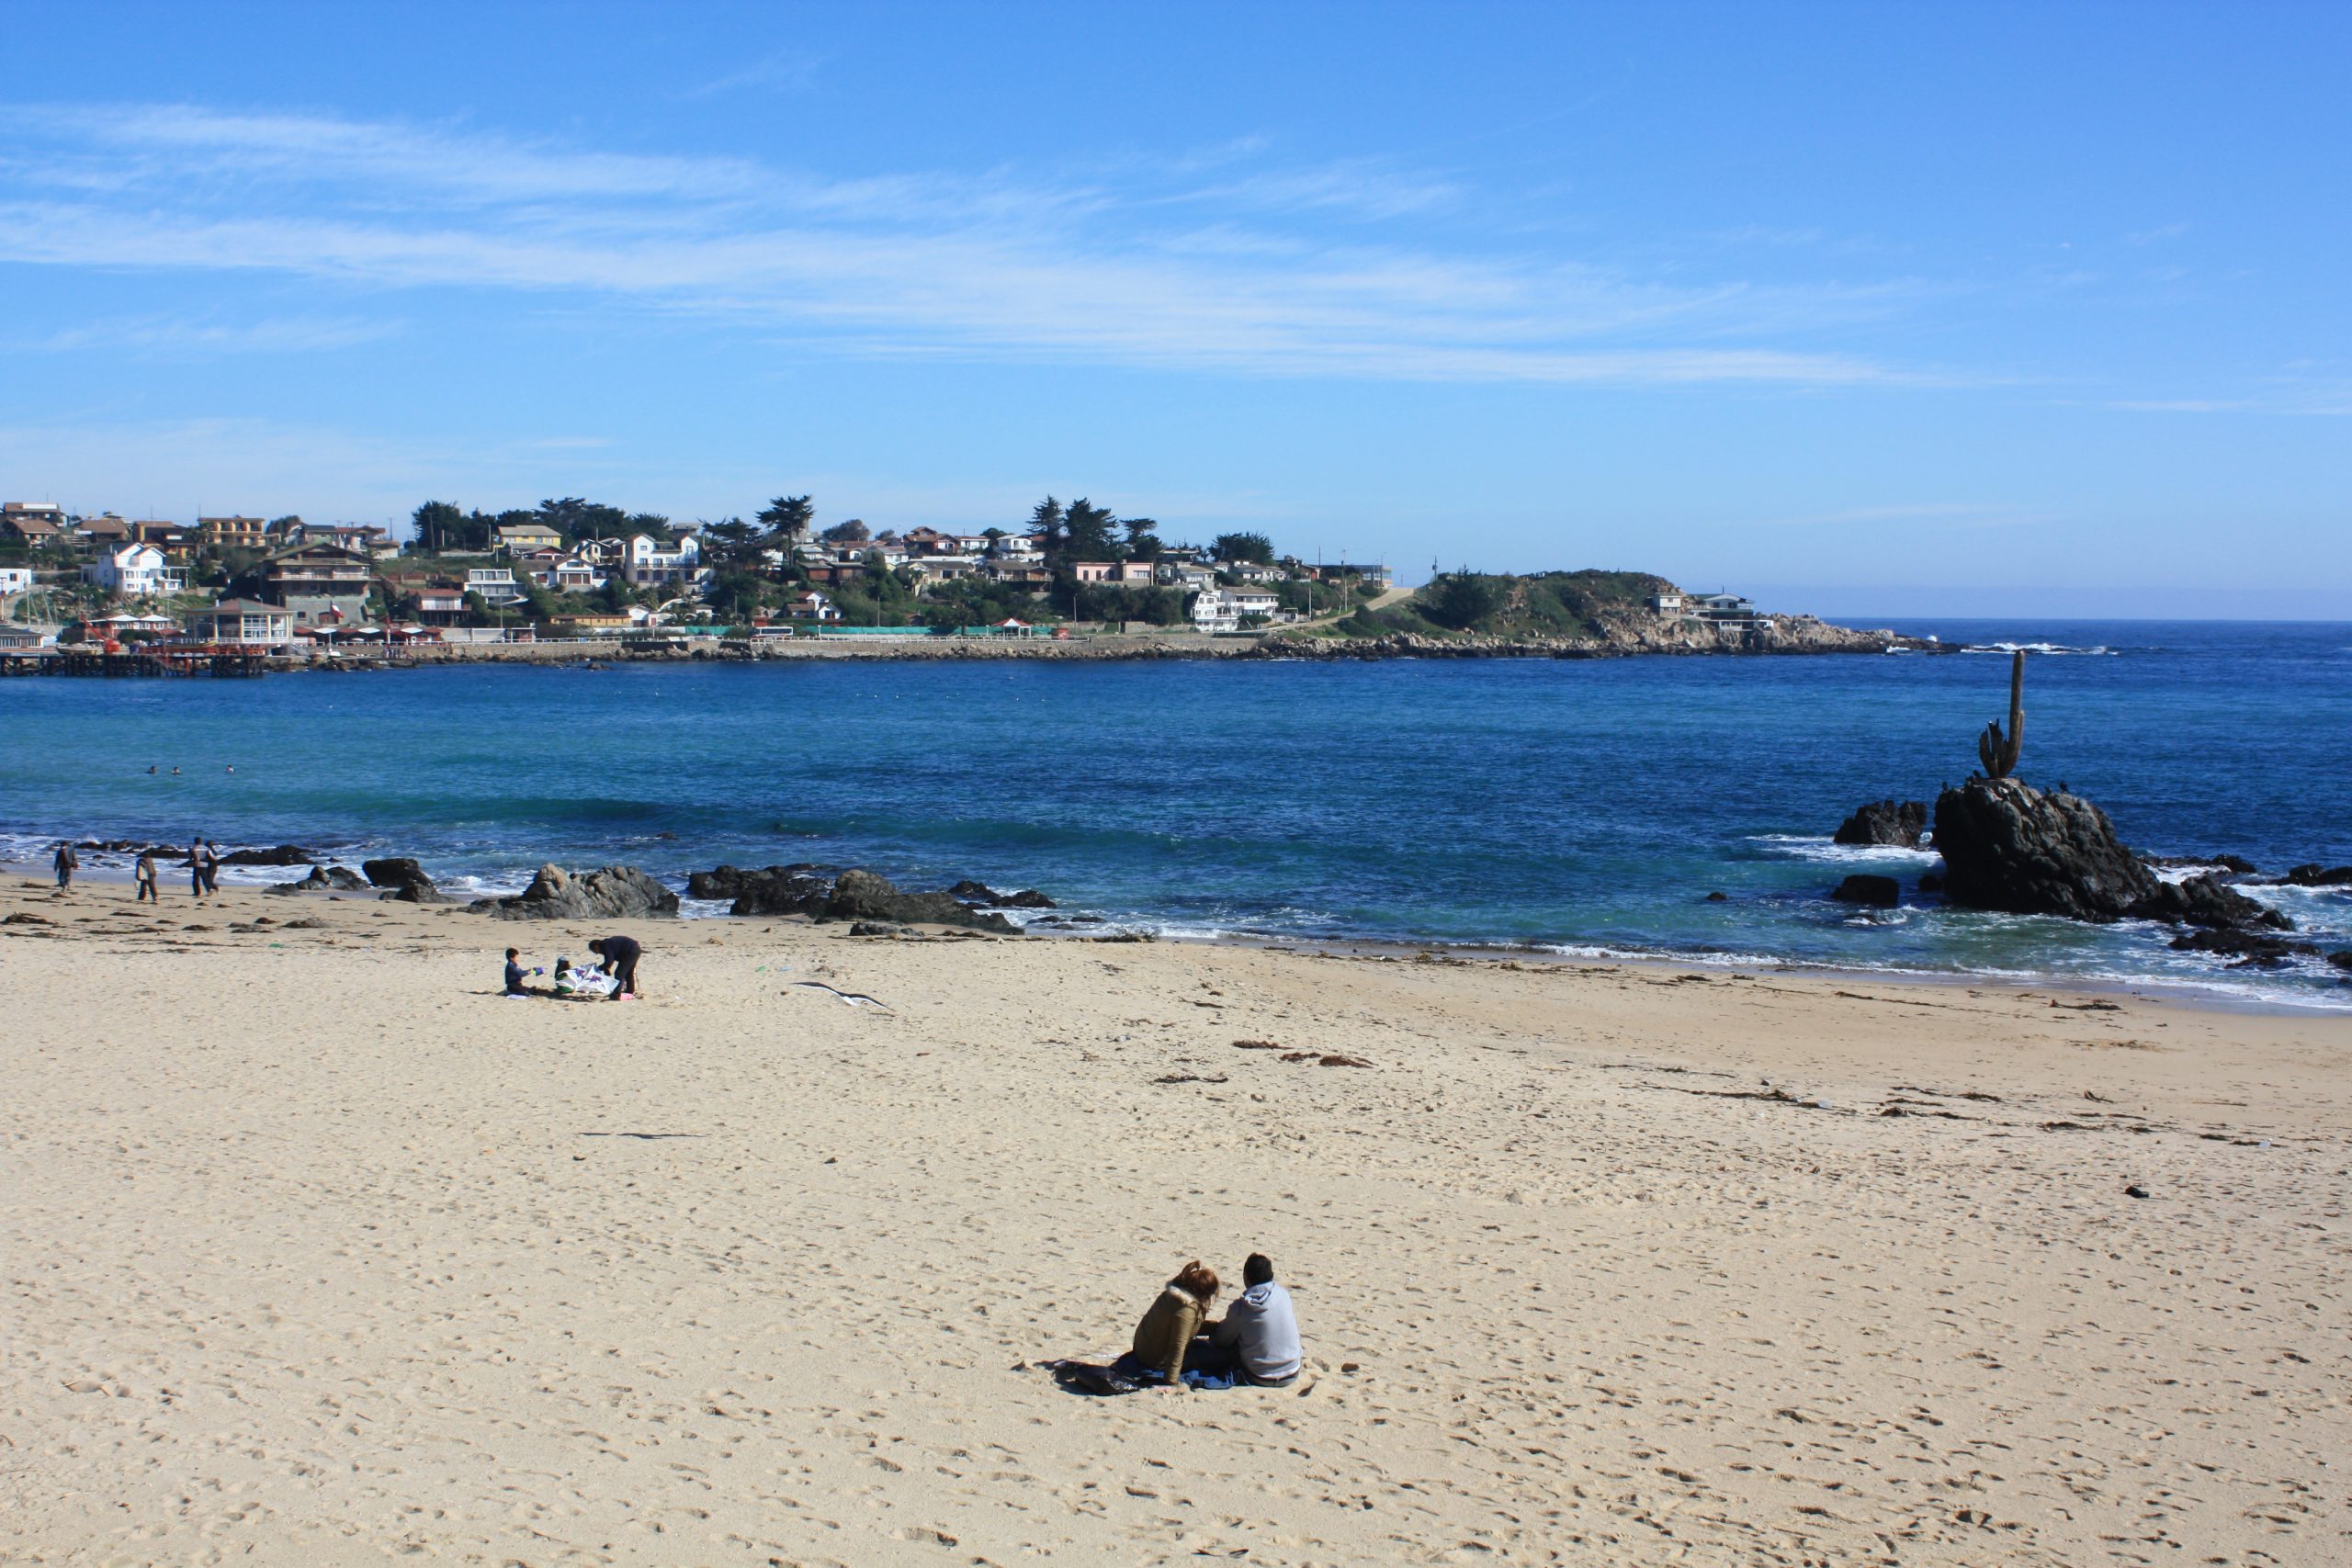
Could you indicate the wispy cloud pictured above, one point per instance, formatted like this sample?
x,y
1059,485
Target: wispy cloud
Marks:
x,y
1219,266
166,336
786,71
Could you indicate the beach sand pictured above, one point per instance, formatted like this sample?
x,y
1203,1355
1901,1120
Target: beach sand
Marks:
x,y
317,1250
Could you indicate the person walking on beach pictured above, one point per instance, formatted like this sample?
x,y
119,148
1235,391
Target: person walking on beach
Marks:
x,y
67,862
620,954
195,870
211,867
142,874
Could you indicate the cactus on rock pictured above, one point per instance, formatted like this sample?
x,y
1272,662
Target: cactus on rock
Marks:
x,y
1999,752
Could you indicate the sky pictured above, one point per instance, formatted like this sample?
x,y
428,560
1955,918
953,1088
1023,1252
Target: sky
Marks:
x,y
1960,309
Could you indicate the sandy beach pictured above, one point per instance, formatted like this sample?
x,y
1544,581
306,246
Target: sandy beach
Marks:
x,y
318,1250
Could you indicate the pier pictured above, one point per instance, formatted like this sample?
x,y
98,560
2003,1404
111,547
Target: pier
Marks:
x,y
134,662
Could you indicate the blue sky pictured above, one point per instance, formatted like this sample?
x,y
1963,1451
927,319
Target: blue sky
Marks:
x,y
1861,308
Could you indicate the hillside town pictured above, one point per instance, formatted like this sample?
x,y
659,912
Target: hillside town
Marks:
x,y
573,569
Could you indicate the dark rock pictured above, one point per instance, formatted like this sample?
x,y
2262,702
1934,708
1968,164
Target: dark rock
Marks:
x,y
2236,865
2317,875
403,879
1931,882
322,879
863,895
284,854
2135,1191
875,928
784,890
2249,946
2342,960
1899,822
612,893
1879,892
981,895
2009,846
2208,901
730,882
1718,898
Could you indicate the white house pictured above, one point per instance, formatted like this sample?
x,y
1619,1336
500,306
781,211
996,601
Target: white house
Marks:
x,y
648,561
573,574
813,607
16,580
1249,571
1666,603
1224,610
496,585
134,572
1018,546
246,623
1179,574
1724,607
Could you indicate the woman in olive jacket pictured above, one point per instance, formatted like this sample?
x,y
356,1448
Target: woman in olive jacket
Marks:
x,y
1178,1313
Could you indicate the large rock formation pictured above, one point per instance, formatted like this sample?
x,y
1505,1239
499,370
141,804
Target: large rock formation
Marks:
x,y
280,854
2317,875
612,893
2011,847
824,895
403,879
862,895
322,879
1898,822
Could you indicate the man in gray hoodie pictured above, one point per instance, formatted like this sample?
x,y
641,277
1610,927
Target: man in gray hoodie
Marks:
x,y
1260,1332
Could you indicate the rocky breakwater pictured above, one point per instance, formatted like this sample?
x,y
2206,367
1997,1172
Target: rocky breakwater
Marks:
x,y
2012,847
611,893
1619,639
821,893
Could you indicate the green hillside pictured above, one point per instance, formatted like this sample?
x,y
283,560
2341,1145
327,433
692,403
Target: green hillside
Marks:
x,y
1549,603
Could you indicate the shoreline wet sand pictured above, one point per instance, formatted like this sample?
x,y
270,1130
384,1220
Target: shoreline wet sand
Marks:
x,y
318,1248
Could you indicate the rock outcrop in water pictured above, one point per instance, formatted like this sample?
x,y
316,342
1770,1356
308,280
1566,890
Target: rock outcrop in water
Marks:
x,y
612,893
279,854
2009,846
1878,892
1899,823
822,894
323,879
2317,875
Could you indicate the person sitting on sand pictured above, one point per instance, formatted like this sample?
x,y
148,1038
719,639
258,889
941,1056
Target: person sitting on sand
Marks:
x,y
562,982
1258,1339
620,954
1176,1315
516,974
142,874
67,864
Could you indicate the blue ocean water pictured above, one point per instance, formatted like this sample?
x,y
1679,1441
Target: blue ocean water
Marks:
x,y
1577,805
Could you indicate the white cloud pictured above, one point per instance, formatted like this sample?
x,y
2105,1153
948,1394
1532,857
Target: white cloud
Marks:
x,y
988,265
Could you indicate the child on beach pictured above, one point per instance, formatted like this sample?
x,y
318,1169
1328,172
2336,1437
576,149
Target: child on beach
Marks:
x,y
516,974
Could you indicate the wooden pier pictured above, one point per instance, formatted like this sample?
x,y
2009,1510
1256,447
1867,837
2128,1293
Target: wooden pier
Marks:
x,y
134,662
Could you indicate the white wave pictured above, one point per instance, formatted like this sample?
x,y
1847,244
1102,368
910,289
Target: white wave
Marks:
x,y
1819,850
2102,652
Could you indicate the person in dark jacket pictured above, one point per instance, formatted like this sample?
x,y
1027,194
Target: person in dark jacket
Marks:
x,y
620,954
67,864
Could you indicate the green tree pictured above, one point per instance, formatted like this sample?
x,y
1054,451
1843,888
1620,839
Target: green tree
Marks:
x,y
1460,600
731,543
1045,521
790,515
852,532
1243,547
436,523
1143,538
1089,530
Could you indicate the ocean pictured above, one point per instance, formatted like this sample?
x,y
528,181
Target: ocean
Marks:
x,y
1579,807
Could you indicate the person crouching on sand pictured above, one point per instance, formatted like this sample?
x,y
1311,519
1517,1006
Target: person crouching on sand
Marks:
x,y
620,954
1178,1313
